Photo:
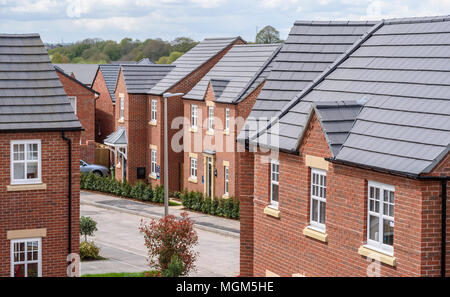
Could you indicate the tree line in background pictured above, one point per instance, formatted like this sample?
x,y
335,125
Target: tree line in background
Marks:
x,y
98,51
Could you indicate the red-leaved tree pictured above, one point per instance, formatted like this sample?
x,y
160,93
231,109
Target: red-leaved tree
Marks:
x,y
167,237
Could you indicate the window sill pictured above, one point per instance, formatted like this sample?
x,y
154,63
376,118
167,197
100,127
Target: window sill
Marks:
x,y
209,132
152,176
226,132
226,196
30,187
193,180
377,256
270,211
152,123
118,166
193,130
320,236
121,121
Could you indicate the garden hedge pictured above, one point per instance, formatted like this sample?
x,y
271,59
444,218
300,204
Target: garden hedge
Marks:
x,y
225,207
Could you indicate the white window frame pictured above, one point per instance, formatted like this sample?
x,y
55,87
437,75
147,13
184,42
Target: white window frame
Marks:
x,y
26,261
73,103
154,111
227,119
274,180
37,180
194,168
373,244
318,191
153,162
194,116
227,180
122,108
210,118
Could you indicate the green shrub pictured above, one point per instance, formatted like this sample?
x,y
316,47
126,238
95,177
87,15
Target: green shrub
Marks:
x,y
147,195
137,190
88,251
206,205
214,205
158,194
235,212
174,268
177,194
125,189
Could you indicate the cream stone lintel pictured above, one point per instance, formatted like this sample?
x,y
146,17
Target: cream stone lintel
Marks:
x,y
210,103
271,274
192,155
226,163
153,147
298,275
26,233
121,95
193,180
315,234
31,187
316,162
272,212
372,254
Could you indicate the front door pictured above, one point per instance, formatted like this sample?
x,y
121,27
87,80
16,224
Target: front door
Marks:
x,y
209,176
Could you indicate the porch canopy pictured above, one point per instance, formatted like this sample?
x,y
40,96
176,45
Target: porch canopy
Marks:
x,y
118,142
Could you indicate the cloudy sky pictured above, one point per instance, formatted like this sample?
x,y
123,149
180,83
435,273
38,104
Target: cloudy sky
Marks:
x,y
72,20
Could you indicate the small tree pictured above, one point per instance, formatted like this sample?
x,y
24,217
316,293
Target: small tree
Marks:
x,y
169,241
87,227
268,35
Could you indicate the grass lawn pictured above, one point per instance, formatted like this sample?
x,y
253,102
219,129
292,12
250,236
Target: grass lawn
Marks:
x,y
125,274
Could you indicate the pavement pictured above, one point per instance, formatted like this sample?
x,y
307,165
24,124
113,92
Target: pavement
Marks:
x,y
122,244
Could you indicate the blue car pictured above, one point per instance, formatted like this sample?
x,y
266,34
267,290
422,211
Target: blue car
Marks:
x,y
97,169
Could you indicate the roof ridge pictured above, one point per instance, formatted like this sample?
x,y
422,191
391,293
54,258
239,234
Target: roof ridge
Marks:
x,y
325,73
414,20
335,23
25,35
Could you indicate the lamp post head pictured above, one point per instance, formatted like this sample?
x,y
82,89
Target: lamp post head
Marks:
x,y
168,95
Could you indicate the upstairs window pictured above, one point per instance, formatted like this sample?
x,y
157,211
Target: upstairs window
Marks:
x,y
26,257
153,162
153,113
380,217
274,183
210,118
193,168
194,116
73,103
318,198
122,108
25,161
227,119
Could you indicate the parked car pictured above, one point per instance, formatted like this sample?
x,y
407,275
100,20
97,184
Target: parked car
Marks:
x,y
97,169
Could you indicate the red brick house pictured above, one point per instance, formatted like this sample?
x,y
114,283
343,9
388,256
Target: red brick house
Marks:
x,y
129,141
310,48
190,69
357,182
40,150
82,98
215,110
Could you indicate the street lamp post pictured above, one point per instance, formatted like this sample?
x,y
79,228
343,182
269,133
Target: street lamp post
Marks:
x,y
166,151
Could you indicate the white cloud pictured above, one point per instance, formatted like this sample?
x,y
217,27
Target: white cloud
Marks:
x,y
283,4
29,6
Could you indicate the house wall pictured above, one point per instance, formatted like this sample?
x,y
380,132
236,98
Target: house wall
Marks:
x,y
104,109
85,113
35,209
175,109
222,142
280,247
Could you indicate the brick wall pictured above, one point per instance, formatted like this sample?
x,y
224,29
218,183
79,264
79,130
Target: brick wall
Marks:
x,y
281,247
104,109
44,208
175,109
85,113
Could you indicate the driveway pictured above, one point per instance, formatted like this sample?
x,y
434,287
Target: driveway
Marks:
x,y
121,242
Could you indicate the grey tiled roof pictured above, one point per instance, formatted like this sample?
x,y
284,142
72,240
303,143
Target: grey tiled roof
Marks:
x,y
110,74
337,119
190,61
139,79
117,138
83,72
402,70
31,95
309,49
235,73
